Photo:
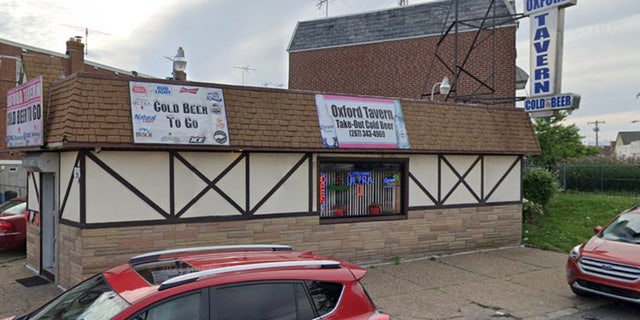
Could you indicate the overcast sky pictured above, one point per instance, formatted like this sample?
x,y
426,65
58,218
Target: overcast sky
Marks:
x,y
601,45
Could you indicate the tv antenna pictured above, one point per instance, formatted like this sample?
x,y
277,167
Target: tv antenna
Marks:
x,y
245,69
326,5
86,35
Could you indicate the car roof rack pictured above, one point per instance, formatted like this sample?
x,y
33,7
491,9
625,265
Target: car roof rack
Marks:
x,y
191,277
155,255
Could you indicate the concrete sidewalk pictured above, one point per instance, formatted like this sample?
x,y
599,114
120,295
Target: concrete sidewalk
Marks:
x,y
520,283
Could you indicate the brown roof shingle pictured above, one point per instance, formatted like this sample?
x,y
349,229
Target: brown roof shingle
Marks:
x,y
90,109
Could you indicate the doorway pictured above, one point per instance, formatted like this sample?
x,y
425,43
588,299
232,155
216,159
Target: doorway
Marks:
x,y
49,226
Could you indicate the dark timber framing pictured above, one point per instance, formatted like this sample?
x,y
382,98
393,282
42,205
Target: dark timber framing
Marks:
x,y
246,211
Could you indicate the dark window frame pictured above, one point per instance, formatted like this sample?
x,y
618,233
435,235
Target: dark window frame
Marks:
x,y
295,284
404,185
204,303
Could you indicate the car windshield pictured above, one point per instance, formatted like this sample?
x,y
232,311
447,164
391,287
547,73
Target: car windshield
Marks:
x,y
16,209
91,299
626,228
10,204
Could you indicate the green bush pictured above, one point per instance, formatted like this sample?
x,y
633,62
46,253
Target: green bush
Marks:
x,y
539,186
531,212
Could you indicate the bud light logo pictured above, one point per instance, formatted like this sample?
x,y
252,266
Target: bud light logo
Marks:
x,y
214,96
165,90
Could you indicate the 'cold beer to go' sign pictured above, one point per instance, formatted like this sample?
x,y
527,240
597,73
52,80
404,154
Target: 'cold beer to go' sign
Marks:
x,y
176,114
24,115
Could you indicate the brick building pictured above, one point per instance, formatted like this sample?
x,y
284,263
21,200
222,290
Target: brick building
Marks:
x,y
404,51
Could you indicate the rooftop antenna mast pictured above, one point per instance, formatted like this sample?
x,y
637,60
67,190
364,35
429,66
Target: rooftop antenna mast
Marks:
x,y
326,4
86,36
246,69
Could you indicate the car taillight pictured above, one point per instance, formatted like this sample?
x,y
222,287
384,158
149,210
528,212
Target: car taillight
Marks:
x,y
379,316
6,226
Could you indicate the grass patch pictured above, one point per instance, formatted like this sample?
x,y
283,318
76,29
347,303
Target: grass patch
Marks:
x,y
569,220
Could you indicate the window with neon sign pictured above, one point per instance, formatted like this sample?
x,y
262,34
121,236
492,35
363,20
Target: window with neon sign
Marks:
x,y
361,188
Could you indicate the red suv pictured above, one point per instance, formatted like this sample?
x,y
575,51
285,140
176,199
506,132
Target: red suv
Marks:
x,y
219,283
608,263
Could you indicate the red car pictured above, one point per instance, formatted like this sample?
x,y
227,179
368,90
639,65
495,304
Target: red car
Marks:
x,y
219,283
608,264
13,224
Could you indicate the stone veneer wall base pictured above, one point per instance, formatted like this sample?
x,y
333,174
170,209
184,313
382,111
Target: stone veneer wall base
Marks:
x,y
425,233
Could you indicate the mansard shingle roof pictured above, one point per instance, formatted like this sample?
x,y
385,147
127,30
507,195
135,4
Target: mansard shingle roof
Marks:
x,y
420,20
87,111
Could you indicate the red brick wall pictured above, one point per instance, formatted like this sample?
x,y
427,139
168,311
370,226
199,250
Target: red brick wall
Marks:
x,y
425,233
7,78
408,68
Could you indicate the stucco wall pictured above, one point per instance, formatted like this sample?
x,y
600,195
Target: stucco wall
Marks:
x,y
425,233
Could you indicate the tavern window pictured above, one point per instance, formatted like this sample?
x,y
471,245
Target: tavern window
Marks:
x,y
361,188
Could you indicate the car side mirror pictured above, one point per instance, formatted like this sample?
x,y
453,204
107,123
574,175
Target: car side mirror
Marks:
x,y
597,229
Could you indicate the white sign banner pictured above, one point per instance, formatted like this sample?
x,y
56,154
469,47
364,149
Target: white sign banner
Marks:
x,y
177,114
24,115
356,122
543,53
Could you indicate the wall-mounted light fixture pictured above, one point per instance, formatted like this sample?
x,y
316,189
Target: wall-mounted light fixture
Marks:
x,y
445,87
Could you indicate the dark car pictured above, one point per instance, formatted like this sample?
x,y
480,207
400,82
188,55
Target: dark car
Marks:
x,y
609,263
250,282
13,224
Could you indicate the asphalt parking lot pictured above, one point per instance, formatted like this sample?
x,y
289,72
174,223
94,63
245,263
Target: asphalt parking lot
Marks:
x,y
509,283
